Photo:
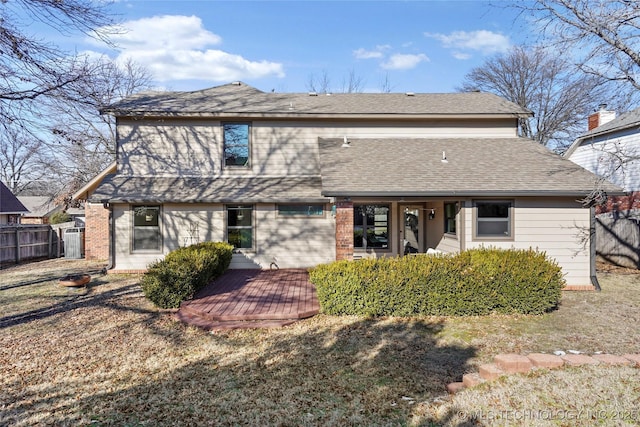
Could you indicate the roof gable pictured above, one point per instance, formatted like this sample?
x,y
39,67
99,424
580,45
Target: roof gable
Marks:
x,y
626,121
9,204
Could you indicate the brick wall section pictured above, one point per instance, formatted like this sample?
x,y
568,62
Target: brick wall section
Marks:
x,y
96,233
620,203
344,230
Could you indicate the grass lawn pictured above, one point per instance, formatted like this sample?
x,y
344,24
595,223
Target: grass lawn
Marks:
x,y
104,355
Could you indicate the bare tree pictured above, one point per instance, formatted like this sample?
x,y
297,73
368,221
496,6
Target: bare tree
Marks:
x,y
320,84
351,83
31,68
77,126
21,159
82,141
602,35
385,84
542,81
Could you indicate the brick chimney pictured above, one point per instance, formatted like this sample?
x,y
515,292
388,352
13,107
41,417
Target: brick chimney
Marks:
x,y
601,117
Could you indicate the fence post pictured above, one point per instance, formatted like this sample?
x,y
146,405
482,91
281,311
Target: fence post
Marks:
x,y
17,245
50,236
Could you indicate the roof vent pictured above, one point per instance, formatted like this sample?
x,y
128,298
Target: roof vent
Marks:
x,y
444,158
313,93
410,94
346,142
238,83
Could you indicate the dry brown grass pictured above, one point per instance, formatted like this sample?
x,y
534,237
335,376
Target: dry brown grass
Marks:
x,y
105,356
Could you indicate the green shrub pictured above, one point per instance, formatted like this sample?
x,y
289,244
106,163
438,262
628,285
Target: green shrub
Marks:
x,y
59,217
185,271
473,282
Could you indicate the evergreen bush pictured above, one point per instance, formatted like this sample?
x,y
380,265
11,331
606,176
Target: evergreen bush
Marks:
x,y
185,271
474,282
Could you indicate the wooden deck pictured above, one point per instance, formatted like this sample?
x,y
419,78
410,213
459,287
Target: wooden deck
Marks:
x,y
252,299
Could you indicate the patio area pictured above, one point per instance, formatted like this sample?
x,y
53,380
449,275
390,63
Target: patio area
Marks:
x,y
252,299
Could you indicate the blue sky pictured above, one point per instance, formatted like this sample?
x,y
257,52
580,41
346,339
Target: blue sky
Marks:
x,y
420,46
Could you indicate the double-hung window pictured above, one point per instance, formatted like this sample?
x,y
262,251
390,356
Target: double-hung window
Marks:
x,y
371,226
146,229
240,226
493,219
236,144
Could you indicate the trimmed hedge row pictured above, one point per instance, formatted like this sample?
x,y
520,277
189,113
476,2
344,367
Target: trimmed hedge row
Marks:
x,y
185,271
473,282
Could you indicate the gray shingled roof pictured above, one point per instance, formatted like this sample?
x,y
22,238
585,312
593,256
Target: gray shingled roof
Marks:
x,y
243,99
117,188
9,204
474,167
624,121
38,206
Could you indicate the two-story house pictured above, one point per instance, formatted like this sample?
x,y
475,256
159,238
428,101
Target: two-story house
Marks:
x,y
303,178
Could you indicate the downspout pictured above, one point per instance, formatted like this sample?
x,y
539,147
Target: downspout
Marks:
x,y
111,232
592,248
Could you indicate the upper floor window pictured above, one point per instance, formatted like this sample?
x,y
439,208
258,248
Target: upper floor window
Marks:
x,y
236,144
493,219
450,212
146,229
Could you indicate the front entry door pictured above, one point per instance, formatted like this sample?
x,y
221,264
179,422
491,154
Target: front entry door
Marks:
x,y
411,230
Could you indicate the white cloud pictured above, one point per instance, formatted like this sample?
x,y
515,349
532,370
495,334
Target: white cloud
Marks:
x,y
461,55
401,61
377,53
483,41
176,47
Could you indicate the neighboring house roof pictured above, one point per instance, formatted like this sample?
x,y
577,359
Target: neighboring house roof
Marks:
x,y
116,188
39,206
627,120
473,167
89,187
9,204
238,98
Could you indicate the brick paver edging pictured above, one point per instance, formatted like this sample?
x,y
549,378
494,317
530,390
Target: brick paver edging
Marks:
x,y
505,364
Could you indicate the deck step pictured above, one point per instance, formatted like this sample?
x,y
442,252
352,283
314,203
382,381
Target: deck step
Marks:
x,y
214,325
200,310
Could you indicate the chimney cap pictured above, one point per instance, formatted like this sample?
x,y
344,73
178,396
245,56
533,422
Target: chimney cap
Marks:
x,y
602,107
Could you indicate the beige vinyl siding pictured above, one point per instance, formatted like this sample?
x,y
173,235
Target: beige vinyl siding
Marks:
x,y
436,238
125,259
185,224
190,147
295,242
555,226
169,147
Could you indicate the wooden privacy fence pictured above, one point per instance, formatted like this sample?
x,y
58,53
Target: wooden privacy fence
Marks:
x,y
618,239
27,242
